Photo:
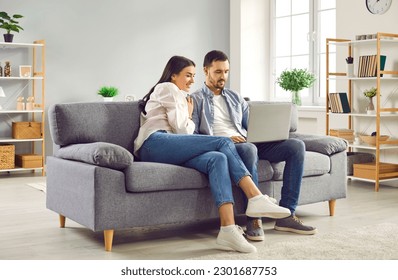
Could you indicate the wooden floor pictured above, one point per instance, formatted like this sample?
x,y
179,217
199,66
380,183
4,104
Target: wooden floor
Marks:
x,y
30,231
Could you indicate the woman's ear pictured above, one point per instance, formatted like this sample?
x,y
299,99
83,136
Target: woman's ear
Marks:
x,y
173,77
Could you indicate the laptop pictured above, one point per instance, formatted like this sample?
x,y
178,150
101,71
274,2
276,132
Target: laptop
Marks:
x,y
268,122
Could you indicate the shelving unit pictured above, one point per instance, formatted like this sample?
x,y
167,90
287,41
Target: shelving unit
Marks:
x,y
382,113
35,87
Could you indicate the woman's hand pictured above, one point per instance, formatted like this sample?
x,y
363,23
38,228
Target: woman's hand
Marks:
x,y
190,107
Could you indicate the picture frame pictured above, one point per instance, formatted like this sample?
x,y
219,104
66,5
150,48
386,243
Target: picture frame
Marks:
x,y
25,71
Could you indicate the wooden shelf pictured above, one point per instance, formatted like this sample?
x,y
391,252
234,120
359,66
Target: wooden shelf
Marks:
x,y
20,45
35,52
13,140
20,169
20,78
363,115
372,181
382,113
20,111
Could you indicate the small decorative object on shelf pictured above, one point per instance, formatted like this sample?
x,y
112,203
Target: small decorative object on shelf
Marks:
x,y
350,66
20,103
108,93
25,71
7,69
294,81
30,103
370,93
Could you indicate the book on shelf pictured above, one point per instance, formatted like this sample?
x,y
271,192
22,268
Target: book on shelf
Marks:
x,y
367,65
339,102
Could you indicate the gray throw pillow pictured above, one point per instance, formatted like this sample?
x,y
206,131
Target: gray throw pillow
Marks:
x,y
98,153
327,145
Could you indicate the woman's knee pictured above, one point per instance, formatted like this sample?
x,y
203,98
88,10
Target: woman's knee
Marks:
x,y
217,160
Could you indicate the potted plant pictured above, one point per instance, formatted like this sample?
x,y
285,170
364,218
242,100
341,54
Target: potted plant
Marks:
x,y
370,93
10,24
295,80
108,92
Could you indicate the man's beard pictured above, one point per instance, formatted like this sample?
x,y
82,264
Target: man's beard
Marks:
x,y
216,84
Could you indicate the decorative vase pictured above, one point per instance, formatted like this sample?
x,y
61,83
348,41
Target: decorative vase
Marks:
x,y
370,109
7,69
296,98
8,38
108,99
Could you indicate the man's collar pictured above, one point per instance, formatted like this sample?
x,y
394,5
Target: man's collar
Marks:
x,y
208,92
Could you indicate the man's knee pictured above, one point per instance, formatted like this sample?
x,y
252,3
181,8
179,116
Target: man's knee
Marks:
x,y
246,148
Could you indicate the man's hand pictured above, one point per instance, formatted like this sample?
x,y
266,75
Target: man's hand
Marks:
x,y
238,139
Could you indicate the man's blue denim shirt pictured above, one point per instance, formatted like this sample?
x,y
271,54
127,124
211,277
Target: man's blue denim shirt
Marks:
x,y
203,113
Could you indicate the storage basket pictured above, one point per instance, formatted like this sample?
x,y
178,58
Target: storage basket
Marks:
x,y
368,170
7,156
26,130
29,160
357,158
371,140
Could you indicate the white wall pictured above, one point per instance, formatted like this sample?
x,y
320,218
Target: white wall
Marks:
x,y
353,18
124,43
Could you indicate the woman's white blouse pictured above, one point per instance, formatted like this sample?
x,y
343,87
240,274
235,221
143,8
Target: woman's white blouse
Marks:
x,y
167,109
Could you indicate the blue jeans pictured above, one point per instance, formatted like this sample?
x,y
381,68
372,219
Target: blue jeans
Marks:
x,y
215,156
292,152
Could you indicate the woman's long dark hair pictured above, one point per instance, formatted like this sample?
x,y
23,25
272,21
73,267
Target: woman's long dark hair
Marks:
x,y
173,66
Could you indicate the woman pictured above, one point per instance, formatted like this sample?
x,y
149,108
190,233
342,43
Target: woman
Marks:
x,y
166,136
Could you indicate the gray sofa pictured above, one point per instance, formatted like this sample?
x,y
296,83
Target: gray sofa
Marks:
x,y
94,180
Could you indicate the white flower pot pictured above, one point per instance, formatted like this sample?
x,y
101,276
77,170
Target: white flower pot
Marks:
x,y
108,99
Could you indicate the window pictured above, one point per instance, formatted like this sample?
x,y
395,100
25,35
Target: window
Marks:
x,y
299,32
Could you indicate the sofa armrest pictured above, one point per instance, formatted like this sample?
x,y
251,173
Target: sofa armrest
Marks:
x,y
327,145
98,153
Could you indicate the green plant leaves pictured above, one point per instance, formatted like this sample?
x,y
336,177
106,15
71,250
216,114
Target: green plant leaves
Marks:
x,y
9,23
295,79
108,91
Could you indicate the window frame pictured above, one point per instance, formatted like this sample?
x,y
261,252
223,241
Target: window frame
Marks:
x,y
314,97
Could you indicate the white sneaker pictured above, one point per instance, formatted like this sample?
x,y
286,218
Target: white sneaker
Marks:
x,y
273,200
233,240
262,206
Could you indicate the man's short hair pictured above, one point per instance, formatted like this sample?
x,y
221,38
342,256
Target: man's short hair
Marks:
x,y
214,56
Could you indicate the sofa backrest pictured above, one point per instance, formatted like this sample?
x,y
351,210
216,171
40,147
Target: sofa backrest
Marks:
x,y
112,122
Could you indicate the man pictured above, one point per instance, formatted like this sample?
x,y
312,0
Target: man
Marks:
x,y
223,112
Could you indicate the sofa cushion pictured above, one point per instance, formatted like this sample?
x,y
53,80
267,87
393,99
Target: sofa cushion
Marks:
x,y
153,176
99,153
315,164
327,145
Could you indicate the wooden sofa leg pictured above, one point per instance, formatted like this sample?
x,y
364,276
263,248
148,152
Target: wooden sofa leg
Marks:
x,y
62,221
332,204
108,239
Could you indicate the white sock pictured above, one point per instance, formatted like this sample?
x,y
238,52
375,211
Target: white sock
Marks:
x,y
254,198
227,228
